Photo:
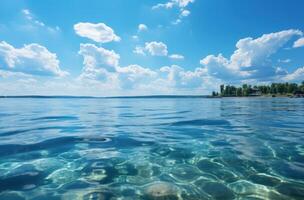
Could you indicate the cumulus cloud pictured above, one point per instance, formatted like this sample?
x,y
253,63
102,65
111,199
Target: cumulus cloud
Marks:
x,y
30,59
98,57
176,56
297,75
178,77
139,50
251,58
99,32
102,69
135,76
153,48
299,43
254,51
156,48
142,27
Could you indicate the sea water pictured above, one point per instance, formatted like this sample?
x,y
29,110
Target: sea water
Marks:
x,y
151,148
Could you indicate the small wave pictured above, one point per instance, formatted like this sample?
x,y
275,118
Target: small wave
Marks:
x,y
9,149
200,122
61,128
55,118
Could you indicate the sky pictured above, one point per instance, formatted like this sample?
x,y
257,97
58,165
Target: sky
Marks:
x,y
136,47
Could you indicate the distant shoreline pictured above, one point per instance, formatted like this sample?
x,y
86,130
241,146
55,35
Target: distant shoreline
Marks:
x,y
106,97
137,97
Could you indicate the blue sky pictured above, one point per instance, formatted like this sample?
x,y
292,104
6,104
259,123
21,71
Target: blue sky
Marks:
x,y
136,47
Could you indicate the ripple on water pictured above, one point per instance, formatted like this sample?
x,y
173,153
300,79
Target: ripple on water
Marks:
x,y
55,118
11,196
185,172
103,174
201,122
249,189
21,177
294,190
62,176
289,170
162,150
217,190
207,165
265,179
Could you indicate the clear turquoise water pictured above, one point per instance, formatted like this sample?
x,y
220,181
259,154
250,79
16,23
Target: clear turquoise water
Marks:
x,y
153,148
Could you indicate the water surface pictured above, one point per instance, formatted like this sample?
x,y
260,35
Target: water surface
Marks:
x,y
151,148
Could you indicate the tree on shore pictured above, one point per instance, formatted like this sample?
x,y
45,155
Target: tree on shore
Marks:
x,y
248,90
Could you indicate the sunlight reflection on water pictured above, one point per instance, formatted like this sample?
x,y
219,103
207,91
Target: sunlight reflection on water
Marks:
x,y
169,148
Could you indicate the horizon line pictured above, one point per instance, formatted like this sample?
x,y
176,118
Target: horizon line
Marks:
x,y
104,97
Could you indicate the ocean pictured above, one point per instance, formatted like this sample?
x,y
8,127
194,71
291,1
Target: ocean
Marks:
x,y
151,148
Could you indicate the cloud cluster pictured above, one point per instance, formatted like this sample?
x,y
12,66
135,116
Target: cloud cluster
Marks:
x,y
153,48
170,4
30,59
103,75
101,67
99,32
156,49
251,59
180,4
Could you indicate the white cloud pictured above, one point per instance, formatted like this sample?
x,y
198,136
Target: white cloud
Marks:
x,y
10,74
29,16
172,3
251,58
134,37
156,48
135,76
163,5
176,56
98,57
297,75
139,50
97,32
102,70
254,51
185,13
27,13
180,4
299,43
142,27
284,61
184,3
177,21
176,77
30,59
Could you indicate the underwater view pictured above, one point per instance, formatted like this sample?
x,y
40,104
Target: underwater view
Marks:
x,y
151,148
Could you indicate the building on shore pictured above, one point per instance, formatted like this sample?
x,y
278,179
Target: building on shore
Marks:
x,y
255,92
298,93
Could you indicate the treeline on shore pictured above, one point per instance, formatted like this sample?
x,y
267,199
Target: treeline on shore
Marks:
x,y
273,89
